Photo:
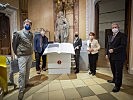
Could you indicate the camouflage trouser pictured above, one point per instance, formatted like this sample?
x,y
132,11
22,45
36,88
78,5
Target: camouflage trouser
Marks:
x,y
13,69
25,63
11,73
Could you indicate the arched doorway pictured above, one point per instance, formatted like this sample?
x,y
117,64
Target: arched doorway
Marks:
x,y
5,48
109,13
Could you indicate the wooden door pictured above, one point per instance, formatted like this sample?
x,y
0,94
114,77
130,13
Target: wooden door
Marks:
x,y
107,33
5,42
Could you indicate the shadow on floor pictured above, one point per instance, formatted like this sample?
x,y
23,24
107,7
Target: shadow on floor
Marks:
x,y
128,89
72,76
36,80
103,76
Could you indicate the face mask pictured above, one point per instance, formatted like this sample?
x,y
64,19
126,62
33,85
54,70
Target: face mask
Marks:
x,y
115,30
27,27
91,37
76,35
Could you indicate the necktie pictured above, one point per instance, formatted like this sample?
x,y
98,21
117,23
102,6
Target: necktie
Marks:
x,y
41,42
113,37
89,45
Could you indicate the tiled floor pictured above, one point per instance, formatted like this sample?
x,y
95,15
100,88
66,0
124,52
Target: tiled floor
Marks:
x,y
81,86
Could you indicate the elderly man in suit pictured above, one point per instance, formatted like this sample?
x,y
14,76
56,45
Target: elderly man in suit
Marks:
x,y
116,52
77,46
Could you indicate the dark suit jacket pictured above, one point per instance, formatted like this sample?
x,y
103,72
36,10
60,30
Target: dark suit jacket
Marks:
x,y
37,41
78,43
118,45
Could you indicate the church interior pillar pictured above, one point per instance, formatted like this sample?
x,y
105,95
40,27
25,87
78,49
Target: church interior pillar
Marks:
x,y
130,69
90,16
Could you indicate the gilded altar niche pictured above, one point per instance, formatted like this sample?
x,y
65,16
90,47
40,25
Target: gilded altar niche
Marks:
x,y
75,13
43,13
70,9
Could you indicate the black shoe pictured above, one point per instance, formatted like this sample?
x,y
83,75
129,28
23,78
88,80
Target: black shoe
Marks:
x,y
20,95
38,72
90,73
74,68
44,69
93,74
15,86
110,81
116,89
76,71
12,84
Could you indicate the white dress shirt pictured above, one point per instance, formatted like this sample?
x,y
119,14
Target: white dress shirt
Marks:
x,y
93,45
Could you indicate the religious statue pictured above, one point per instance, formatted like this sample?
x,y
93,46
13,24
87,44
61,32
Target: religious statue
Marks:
x,y
61,28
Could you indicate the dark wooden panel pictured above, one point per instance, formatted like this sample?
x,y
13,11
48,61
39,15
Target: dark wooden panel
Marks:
x,y
4,35
128,25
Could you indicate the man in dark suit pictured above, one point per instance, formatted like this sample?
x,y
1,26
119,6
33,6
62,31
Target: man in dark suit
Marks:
x,y
40,43
77,46
116,52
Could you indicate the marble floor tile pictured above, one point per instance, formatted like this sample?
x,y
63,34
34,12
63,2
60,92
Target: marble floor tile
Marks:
x,y
12,96
99,81
43,89
83,76
65,81
29,98
40,96
97,89
56,95
71,94
54,86
78,83
89,82
85,91
122,96
63,77
81,86
91,98
108,87
72,76
106,96
66,84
